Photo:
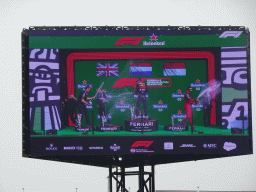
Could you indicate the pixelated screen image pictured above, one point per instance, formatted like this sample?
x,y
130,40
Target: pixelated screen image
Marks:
x,y
139,92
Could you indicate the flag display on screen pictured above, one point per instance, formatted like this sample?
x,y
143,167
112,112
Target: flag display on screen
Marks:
x,y
140,69
107,69
174,69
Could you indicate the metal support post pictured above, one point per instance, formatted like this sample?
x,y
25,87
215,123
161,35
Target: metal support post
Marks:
x,y
141,178
153,178
110,178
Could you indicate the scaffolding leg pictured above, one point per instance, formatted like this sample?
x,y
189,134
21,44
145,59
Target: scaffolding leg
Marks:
x,y
141,178
110,178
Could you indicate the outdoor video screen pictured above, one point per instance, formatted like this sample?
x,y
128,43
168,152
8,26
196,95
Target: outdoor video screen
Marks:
x,y
125,92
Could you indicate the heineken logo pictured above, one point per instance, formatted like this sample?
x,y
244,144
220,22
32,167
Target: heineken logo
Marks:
x,y
157,106
109,116
136,96
160,106
178,95
198,85
125,106
153,37
82,86
178,116
122,106
153,41
89,106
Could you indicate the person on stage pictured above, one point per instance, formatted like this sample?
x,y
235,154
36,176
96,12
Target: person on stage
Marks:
x,y
82,103
102,98
141,90
187,107
207,108
71,108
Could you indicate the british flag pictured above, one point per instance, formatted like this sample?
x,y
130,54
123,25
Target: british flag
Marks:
x,y
107,69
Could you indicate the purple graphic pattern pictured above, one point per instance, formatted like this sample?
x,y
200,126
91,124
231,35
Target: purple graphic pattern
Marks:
x,y
44,91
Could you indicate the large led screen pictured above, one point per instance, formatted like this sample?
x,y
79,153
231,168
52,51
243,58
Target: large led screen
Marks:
x,y
128,92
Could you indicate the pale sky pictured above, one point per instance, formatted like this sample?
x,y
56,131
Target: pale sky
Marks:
x,y
16,172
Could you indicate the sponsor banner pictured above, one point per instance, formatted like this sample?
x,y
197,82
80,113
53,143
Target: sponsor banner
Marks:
x,y
96,148
82,86
150,43
142,124
109,116
178,115
158,82
197,106
175,128
188,145
160,106
69,148
150,82
210,145
197,84
143,116
51,148
136,96
124,106
177,95
89,106
115,147
161,145
128,41
79,148
167,41
168,145
153,41
141,151
109,128
228,146
141,147
72,148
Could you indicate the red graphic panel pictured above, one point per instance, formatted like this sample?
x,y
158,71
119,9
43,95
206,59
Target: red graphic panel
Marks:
x,y
146,56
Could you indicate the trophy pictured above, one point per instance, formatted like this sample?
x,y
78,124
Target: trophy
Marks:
x,y
132,113
79,118
103,120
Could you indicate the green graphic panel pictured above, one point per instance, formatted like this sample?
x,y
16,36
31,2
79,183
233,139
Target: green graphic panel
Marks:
x,y
228,94
37,120
195,69
93,42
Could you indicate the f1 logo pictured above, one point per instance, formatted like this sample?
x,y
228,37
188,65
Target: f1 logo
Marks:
x,y
128,41
142,143
234,34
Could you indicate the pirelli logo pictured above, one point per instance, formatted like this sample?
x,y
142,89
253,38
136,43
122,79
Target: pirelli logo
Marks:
x,y
128,41
142,144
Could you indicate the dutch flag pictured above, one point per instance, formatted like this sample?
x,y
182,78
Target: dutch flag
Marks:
x,y
140,69
174,69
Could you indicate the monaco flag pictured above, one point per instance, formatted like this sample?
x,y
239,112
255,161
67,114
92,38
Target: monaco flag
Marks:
x,y
174,69
140,69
